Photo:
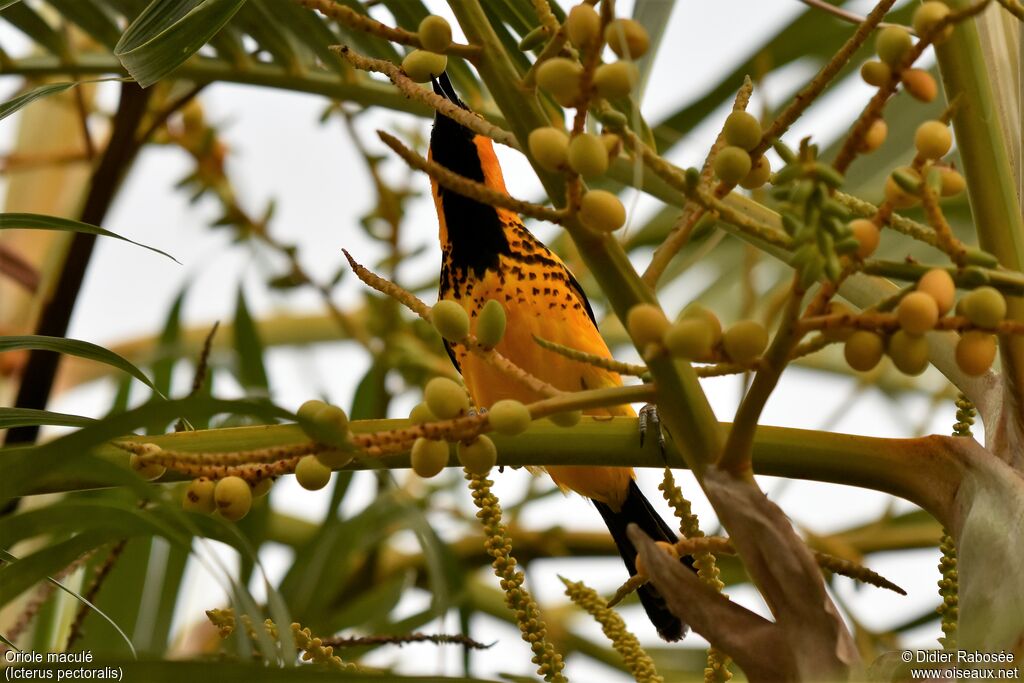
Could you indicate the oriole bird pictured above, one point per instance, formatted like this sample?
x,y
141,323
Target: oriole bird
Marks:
x,y
487,253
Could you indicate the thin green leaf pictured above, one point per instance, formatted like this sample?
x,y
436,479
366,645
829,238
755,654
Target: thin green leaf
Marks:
x,y
2,638
13,105
251,372
93,17
168,346
4,4
33,221
29,22
74,347
653,15
77,596
168,32
30,417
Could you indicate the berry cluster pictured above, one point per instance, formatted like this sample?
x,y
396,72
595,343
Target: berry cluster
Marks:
x,y
696,335
435,35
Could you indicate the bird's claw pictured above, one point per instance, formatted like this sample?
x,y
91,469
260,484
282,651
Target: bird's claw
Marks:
x,y
649,418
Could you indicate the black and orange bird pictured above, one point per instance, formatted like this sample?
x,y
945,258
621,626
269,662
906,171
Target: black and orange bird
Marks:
x,y
487,253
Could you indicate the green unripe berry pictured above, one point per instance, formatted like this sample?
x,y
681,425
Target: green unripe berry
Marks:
x,y
233,497
939,285
760,174
646,324
428,457
602,211
695,310
892,43
583,25
616,79
560,77
421,414
550,147
445,398
309,409
927,16
732,164
509,417
742,130
199,496
863,350
917,313
588,156
479,456
745,341
327,424
933,139
450,320
690,339
435,33
569,418
262,487
985,307
627,38
909,352
335,458
490,324
422,65
895,191
875,73
975,352
312,474
147,469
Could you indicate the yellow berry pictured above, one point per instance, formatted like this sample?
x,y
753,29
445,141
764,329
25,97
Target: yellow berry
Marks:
x,y
262,487
421,414
838,333
920,84
422,65
689,338
616,79
875,73
335,458
892,43
732,164
745,341
917,313
147,469
863,350
900,198
985,307
479,456
550,147
583,25
428,457
646,324
875,136
695,310
742,130
952,182
938,284
927,16
509,417
612,144
665,546
445,398
450,320
490,324
312,474
233,497
435,33
758,175
867,235
199,496
975,352
309,409
560,77
569,418
602,211
627,38
588,155
933,139
909,352
329,424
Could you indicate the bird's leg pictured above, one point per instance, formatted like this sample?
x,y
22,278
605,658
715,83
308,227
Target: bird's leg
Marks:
x,y
649,417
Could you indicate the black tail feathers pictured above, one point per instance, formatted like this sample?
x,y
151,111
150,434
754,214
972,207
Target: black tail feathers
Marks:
x,y
638,510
